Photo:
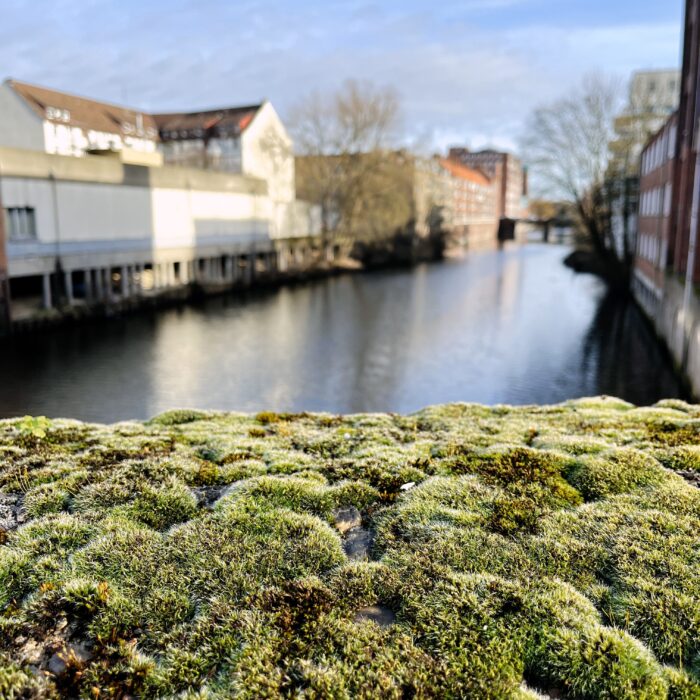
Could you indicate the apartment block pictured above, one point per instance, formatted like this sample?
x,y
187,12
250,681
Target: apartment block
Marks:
x,y
655,215
505,170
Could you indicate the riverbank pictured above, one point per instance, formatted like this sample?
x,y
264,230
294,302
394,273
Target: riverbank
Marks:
x,y
461,550
287,262
677,325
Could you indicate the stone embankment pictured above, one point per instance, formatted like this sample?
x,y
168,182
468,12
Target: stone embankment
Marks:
x,y
462,551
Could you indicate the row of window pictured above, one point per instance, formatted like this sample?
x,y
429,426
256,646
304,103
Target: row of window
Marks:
x,y
656,202
650,248
20,223
661,151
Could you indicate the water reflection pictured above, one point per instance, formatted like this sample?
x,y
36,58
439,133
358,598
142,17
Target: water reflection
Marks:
x,y
510,326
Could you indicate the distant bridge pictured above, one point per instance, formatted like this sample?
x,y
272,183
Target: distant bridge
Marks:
x,y
506,229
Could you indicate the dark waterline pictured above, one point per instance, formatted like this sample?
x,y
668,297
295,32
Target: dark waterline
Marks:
x,y
512,326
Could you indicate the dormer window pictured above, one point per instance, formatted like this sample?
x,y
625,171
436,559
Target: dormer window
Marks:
x,y
56,114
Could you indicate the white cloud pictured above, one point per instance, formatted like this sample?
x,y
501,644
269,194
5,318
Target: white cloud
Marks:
x,y
459,82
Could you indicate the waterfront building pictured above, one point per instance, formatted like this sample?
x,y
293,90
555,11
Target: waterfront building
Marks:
x,y
654,220
652,98
668,228
507,173
249,140
95,229
97,207
40,119
686,183
474,205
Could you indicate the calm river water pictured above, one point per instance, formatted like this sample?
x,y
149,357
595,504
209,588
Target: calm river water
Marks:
x,y
510,326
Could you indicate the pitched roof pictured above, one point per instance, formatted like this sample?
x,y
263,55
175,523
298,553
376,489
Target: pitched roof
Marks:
x,y
228,121
462,171
63,108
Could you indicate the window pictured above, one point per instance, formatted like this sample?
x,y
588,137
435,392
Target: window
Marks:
x,y
20,223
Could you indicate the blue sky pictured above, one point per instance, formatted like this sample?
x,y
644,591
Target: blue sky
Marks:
x,y
468,71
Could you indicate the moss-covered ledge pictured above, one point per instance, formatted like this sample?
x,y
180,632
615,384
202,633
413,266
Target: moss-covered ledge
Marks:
x,y
462,551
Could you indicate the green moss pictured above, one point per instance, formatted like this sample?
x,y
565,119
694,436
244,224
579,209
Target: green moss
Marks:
x,y
179,417
614,472
163,506
511,550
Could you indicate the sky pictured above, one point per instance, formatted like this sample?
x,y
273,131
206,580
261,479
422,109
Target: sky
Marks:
x,y
468,72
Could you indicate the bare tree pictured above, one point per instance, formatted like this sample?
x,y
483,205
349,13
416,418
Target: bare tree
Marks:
x,y
566,144
344,143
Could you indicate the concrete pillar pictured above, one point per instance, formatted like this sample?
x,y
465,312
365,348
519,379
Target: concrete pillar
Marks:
x,y
97,292
46,291
124,281
249,273
235,269
282,259
68,277
109,291
138,278
89,289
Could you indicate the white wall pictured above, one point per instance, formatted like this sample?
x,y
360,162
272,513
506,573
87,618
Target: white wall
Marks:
x,y
192,218
81,211
20,127
66,140
93,224
267,152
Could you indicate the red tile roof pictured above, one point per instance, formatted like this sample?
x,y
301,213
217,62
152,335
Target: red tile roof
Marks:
x,y
63,108
462,171
226,121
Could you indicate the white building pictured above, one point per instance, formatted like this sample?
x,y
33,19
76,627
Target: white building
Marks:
x,y
248,140
89,211
40,119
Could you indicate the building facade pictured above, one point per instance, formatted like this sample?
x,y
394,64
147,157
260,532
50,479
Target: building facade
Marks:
x,y
248,140
505,171
474,205
655,215
40,119
685,185
95,229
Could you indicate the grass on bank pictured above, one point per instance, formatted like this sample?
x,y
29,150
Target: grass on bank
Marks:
x,y
518,552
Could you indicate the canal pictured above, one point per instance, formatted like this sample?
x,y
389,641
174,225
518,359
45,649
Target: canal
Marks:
x,y
511,326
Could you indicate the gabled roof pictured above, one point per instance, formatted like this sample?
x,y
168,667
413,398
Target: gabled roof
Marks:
x,y
63,108
228,121
462,171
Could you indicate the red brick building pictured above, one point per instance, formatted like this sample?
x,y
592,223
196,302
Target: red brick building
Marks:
x,y
686,151
654,227
474,205
505,170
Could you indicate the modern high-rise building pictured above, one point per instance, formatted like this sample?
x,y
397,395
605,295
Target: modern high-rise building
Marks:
x,y
652,98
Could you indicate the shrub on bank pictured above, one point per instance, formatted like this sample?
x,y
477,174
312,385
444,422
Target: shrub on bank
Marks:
x,y
462,551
